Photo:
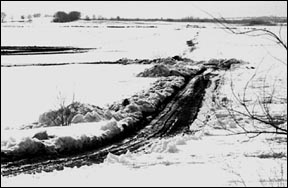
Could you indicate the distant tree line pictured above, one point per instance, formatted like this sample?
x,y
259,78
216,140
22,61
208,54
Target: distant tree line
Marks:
x,y
265,20
62,16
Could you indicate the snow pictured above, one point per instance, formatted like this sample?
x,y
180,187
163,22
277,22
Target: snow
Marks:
x,y
134,43
194,163
26,92
78,136
16,142
208,158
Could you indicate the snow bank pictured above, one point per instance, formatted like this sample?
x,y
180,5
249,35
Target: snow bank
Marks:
x,y
171,67
223,64
91,126
148,101
56,140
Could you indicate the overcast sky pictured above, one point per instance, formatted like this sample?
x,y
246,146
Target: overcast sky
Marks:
x,y
150,9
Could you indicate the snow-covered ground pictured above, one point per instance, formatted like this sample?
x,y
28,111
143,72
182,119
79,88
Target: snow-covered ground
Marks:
x,y
137,41
208,158
95,127
179,161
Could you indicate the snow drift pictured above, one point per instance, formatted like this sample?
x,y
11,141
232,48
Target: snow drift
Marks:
x,y
172,68
90,126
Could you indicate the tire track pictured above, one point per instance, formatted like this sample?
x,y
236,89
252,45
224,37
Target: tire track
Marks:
x,y
174,118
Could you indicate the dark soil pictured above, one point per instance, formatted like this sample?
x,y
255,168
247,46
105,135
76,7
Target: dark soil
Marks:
x,y
39,50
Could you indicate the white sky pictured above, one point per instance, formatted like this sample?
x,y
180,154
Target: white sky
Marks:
x,y
150,9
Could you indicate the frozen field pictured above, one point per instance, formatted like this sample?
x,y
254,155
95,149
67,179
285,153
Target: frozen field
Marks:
x,y
205,159
110,40
40,87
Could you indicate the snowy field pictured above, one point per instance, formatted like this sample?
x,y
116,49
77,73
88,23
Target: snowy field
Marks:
x,y
137,40
206,159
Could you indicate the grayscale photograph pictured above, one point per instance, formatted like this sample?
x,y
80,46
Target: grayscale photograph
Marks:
x,y
144,93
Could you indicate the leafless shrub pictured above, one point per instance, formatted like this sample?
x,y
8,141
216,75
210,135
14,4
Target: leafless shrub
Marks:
x,y
60,117
251,32
271,123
